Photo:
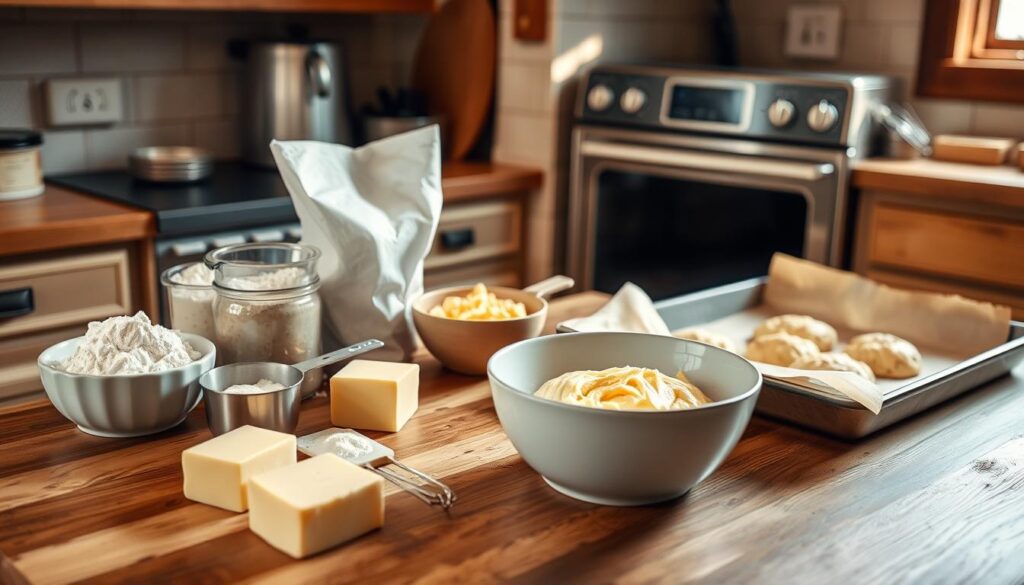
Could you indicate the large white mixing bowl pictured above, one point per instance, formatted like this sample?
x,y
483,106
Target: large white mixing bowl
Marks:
x,y
621,457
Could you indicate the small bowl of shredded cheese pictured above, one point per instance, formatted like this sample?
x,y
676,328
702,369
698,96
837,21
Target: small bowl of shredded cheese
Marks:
x,y
464,325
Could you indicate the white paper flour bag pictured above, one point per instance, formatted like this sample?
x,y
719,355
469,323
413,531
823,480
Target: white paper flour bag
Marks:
x,y
373,212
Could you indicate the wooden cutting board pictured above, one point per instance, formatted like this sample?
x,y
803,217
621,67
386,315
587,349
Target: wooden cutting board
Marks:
x,y
454,67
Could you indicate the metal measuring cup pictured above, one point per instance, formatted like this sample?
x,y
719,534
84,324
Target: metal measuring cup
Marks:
x,y
277,410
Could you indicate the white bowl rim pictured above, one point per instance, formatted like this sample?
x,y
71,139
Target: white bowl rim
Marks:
x,y
754,389
76,340
453,289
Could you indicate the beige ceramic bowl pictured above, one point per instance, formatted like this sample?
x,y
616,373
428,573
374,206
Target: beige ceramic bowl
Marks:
x,y
465,346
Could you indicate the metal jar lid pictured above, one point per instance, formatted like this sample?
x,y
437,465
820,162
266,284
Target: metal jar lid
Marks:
x,y
12,138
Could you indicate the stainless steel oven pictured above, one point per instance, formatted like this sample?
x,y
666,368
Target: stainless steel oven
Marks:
x,y
696,184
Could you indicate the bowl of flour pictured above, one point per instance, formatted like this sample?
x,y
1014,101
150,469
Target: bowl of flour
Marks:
x,y
126,377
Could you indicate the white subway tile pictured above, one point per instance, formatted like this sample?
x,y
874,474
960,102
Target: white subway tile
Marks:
x,y
864,45
129,47
220,137
232,93
510,48
37,49
524,86
108,148
63,151
894,10
999,120
178,96
540,249
904,42
15,104
525,138
944,116
760,43
11,14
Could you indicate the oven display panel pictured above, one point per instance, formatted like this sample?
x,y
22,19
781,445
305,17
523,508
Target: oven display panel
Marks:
x,y
706,104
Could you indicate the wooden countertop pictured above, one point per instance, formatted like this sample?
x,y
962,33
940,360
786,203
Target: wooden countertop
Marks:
x,y
462,180
936,498
1001,185
60,218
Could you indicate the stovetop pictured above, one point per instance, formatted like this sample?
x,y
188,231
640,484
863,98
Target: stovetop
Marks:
x,y
796,107
236,196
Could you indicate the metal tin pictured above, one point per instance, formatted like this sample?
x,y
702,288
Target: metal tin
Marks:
x,y
830,414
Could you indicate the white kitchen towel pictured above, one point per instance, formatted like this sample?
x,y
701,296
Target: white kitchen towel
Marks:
x,y
372,211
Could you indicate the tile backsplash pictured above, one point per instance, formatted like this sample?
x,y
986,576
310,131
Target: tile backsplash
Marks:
x,y
878,36
180,86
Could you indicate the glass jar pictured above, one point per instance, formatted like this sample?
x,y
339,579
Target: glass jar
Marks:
x,y
190,300
267,308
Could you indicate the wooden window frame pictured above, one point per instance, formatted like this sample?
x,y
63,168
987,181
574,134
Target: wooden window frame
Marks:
x,y
961,58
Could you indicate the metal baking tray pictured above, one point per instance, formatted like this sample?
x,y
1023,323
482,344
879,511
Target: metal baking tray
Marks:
x,y
831,414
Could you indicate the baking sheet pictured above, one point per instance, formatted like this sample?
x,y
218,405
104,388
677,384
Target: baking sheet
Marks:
x,y
740,326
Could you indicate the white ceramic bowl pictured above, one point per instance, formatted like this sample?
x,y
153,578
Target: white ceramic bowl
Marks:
x,y
465,346
125,406
621,458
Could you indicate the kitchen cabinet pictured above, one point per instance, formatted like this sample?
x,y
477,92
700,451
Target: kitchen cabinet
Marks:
x,y
74,259
946,227
239,5
480,235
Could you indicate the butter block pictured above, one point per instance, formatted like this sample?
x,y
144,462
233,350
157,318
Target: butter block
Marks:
x,y
378,396
315,504
217,471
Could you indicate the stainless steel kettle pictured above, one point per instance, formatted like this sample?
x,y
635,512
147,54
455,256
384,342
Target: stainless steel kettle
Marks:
x,y
293,91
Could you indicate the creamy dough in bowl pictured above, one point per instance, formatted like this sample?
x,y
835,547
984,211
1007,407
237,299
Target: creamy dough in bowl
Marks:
x,y
624,388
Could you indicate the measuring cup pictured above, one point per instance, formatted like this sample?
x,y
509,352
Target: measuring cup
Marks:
x,y
277,410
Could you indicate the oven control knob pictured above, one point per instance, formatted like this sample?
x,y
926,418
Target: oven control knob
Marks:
x,y
781,113
600,97
632,100
822,117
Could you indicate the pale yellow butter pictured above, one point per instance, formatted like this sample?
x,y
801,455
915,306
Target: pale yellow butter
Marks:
x,y
378,396
217,471
315,504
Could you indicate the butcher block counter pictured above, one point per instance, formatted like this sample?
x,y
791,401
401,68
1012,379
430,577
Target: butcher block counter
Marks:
x,y
935,499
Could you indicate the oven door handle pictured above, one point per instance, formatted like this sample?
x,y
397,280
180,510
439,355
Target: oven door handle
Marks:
x,y
765,167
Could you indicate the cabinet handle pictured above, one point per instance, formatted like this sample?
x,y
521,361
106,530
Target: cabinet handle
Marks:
x,y
457,239
17,302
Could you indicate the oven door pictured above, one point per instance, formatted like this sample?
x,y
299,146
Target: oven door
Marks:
x,y
675,215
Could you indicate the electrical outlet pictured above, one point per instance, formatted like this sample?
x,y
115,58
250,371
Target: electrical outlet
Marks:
x,y
812,31
72,102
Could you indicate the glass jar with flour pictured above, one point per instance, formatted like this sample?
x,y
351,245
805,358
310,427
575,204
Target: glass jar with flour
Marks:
x,y
266,306
190,296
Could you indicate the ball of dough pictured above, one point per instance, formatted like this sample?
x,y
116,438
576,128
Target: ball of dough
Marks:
x,y
780,349
837,362
888,356
708,337
821,333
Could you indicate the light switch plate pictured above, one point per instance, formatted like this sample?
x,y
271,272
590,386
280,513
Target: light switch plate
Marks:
x,y
81,101
812,31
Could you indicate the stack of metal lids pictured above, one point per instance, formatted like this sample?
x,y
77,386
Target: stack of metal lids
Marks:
x,y
171,164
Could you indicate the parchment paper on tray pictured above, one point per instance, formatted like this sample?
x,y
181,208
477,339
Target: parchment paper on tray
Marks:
x,y
931,321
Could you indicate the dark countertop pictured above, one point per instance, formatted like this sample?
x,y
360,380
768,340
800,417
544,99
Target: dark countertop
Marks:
x,y
241,196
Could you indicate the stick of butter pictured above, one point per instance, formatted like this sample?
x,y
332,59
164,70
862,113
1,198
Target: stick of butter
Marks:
x,y
217,471
377,396
315,504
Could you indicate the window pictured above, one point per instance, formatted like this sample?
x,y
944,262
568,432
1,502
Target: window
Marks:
x,y
973,49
